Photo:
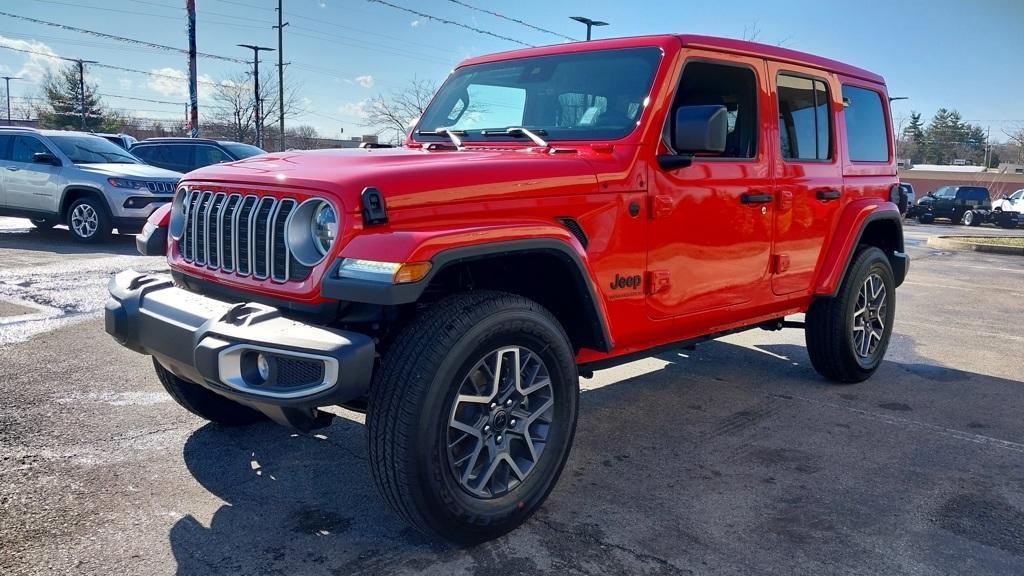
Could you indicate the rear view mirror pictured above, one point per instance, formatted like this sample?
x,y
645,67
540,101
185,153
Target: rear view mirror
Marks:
x,y
45,158
700,129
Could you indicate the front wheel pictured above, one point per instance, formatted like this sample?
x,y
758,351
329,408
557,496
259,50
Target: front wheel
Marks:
x,y
88,220
847,335
472,414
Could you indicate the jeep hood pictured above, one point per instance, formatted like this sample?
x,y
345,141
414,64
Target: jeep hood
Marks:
x,y
129,171
414,177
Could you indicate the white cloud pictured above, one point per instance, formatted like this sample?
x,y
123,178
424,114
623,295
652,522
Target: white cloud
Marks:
x,y
125,83
172,82
354,109
414,23
366,81
42,60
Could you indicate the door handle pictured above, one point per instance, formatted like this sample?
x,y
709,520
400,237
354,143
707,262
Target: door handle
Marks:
x,y
826,195
756,198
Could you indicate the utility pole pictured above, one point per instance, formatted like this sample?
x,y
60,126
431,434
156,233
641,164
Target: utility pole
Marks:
x,y
81,86
8,79
193,90
258,117
280,72
590,23
988,146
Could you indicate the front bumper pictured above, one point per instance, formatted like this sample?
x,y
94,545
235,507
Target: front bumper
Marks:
x,y
217,345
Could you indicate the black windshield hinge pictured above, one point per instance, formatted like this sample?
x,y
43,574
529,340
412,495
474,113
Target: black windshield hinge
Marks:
x,y
374,210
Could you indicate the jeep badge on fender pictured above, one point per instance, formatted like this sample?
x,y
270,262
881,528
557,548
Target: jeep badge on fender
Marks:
x,y
461,319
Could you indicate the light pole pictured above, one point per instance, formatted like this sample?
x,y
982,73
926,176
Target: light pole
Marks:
x,y
256,88
590,23
8,79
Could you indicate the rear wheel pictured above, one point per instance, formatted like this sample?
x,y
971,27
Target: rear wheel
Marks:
x,y
847,335
203,403
472,414
88,220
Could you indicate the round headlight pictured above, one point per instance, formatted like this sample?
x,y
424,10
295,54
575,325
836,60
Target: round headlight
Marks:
x,y
325,227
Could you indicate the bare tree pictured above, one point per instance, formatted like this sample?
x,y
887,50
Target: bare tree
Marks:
x,y
234,105
1016,140
395,113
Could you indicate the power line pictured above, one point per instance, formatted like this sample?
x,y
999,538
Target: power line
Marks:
x,y
510,19
109,66
450,22
118,38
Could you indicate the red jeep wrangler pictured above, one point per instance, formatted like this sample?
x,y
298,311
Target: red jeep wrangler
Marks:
x,y
555,210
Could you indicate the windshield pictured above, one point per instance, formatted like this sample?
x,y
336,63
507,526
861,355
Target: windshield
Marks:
x,y
583,96
241,151
93,150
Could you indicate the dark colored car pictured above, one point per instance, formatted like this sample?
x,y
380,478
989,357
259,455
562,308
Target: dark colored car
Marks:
x,y
187,154
123,140
953,202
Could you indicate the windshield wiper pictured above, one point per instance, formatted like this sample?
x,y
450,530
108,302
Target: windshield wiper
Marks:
x,y
520,131
452,135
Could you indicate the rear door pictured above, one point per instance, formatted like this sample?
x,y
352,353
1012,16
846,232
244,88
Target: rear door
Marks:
x,y
808,173
865,129
29,185
710,231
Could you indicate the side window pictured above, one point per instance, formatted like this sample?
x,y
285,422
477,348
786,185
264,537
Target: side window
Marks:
x,y
207,155
5,146
946,192
143,152
25,147
734,87
804,121
1015,196
866,137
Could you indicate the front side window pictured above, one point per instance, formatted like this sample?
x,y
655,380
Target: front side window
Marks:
x,y
92,150
207,155
866,131
242,151
581,96
805,131
735,87
25,148
1017,195
946,192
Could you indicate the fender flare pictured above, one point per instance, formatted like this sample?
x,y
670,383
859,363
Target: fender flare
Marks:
x,y
90,190
356,290
855,220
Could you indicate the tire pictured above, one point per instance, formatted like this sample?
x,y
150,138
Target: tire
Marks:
x,y
88,220
44,223
203,403
925,218
970,219
832,322
435,375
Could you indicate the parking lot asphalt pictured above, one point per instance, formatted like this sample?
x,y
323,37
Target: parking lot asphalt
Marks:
x,y
734,458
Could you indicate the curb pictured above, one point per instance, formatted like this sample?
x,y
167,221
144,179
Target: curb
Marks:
x,y
955,243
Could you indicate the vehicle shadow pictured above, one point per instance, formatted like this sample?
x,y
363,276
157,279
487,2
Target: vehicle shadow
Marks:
x,y
59,241
729,459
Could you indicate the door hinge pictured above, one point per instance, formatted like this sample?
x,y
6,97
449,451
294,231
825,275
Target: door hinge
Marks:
x,y
661,206
658,281
780,263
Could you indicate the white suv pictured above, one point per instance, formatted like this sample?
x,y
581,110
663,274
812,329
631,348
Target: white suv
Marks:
x,y
1012,203
75,178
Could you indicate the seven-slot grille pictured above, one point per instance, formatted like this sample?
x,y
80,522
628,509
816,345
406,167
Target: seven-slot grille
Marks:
x,y
242,234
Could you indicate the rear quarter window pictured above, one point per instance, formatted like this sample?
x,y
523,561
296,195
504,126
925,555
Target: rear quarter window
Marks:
x,y
866,138
973,193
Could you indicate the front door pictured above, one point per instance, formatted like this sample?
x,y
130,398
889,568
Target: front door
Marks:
x,y
710,232
808,175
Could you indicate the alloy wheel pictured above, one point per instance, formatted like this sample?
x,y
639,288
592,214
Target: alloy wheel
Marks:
x,y
84,220
500,422
869,316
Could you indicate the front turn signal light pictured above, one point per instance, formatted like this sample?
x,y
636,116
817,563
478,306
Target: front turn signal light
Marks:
x,y
411,272
389,272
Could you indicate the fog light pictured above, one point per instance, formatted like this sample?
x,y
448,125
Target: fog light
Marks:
x,y
263,367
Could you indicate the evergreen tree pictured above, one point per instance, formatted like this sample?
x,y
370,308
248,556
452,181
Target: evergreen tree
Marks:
x,y
914,137
62,102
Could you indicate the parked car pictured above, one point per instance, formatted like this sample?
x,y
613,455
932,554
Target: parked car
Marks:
x,y
907,198
1012,203
123,140
186,154
555,211
75,178
954,203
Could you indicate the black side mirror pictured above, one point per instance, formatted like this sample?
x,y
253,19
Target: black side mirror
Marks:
x,y
697,129
46,158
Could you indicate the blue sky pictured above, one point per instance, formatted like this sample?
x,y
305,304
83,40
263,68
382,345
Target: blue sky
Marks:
x,y
957,54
